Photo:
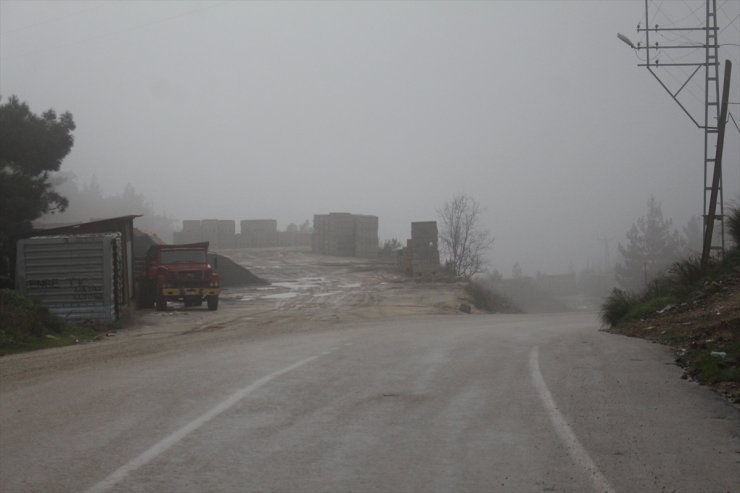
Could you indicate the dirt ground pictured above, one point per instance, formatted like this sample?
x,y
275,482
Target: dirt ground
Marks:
x,y
310,290
709,322
307,292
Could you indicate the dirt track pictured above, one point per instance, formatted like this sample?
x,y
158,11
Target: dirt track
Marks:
x,y
318,288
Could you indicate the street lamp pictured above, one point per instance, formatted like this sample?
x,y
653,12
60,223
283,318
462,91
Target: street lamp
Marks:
x,y
626,41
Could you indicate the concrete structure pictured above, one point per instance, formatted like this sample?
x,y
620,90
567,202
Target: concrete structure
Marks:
x,y
226,234
220,233
424,249
255,233
366,236
191,232
209,231
320,233
345,235
258,233
341,235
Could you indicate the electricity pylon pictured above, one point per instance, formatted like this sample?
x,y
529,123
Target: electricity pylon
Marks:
x,y
710,120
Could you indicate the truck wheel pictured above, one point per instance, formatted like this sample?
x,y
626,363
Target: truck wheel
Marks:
x,y
161,304
213,303
144,296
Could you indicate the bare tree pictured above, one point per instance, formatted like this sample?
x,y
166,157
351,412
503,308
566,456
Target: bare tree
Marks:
x,y
463,241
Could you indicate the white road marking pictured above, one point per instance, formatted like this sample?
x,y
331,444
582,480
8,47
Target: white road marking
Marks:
x,y
564,431
172,439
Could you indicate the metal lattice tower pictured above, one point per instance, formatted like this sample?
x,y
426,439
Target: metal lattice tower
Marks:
x,y
710,121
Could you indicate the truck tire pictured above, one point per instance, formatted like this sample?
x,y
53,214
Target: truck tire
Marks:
x,y
213,303
161,304
144,295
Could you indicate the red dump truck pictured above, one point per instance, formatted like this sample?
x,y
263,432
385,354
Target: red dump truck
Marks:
x,y
178,273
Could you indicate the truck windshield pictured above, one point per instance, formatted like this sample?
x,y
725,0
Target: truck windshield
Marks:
x,y
182,257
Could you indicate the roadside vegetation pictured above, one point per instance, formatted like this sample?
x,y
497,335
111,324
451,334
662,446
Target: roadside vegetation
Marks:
x,y
695,309
486,299
27,325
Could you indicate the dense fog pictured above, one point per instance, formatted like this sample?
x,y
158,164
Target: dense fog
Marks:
x,y
282,110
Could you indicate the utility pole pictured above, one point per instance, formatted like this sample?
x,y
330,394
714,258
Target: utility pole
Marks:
x,y
715,189
710,123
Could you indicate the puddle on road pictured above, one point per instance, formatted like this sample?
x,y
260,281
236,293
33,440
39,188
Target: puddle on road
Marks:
x,y
279,296
298,287
303,283
349,286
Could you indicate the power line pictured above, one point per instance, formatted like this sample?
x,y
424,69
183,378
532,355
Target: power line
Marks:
x,y
733,121
688,41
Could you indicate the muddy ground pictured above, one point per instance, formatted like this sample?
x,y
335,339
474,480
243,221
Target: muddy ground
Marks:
x,y
307,292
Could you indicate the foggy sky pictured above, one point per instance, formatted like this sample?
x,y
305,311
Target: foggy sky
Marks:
x,y
249,110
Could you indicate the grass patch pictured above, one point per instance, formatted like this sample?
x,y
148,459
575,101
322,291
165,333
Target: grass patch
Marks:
x,y
27,325
647,308
710,369
623,307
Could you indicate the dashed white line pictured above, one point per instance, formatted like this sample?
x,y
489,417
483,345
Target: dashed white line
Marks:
x,y
570,441
172,439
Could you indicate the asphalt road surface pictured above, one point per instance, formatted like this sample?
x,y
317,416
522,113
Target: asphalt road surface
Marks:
x,y
449,403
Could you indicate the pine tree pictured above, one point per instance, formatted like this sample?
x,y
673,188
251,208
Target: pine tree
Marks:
x,y
32,147
653,245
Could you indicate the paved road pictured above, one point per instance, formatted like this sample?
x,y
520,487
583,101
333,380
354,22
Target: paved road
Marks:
x,y
446,403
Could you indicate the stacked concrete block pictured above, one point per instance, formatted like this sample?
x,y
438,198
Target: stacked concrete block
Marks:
x,y
209,232
319,237
407,258
424,249
191,231
345,235
341,235
220,233
366,236
258,233
226,233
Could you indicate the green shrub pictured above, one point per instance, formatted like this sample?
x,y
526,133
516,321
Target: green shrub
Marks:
x,y
689,272
24,314
488,300
733,225
648,307
616,306
26,324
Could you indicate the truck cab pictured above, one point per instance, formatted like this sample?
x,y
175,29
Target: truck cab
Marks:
x,y
179,273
